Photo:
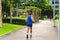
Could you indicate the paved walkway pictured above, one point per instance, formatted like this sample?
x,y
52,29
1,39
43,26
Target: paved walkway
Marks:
x,y
43,30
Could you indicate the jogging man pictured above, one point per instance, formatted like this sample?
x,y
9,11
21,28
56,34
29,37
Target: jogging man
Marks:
x,y
29,22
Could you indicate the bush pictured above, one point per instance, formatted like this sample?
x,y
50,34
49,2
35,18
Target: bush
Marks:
x,y
56,16
14,21
42,17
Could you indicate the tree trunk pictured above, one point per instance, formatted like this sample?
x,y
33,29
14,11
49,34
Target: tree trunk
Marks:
x,y
0,14
10,12
10,16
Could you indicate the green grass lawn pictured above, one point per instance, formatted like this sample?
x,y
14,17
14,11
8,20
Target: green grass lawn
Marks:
x,y
7,28
56,22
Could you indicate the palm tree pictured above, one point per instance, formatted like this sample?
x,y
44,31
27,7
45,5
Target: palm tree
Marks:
x,y
0,15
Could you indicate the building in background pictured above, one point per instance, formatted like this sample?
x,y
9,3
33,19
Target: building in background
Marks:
x,y
56,3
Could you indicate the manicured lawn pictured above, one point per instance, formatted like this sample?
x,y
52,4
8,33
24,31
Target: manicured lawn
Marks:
x,y
7,28
56,22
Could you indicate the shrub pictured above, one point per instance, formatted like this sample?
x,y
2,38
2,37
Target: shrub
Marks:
x,y
14,21
56,16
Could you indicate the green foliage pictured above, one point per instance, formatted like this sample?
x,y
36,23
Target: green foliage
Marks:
x,y
57,16
22,17
42,17
21,7
43,4
57,22
38,6
34,9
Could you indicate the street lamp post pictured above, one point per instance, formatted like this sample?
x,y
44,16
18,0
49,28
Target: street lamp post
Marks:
x,y
59,12
59,22
54,13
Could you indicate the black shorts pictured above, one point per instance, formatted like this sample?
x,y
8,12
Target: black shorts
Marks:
x,y
29,25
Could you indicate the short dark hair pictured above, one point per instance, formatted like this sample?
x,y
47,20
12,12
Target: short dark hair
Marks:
x,y
29,12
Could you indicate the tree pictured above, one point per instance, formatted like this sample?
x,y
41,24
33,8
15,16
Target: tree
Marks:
x,y
11,7
0,15
5,8
45,6
8,6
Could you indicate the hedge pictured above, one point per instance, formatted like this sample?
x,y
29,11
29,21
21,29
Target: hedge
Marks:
x,y
14,21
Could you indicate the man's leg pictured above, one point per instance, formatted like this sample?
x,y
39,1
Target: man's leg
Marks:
x,y
30,32
27,32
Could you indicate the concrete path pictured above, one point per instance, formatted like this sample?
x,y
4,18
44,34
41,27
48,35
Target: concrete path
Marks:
x,y
43,30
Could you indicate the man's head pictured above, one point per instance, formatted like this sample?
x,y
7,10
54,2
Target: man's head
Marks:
x,y
29,12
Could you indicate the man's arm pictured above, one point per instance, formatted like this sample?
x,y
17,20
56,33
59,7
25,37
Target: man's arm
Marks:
x,y
32,19
26,20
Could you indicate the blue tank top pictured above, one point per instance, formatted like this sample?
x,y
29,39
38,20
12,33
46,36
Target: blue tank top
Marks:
x,y
29,20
